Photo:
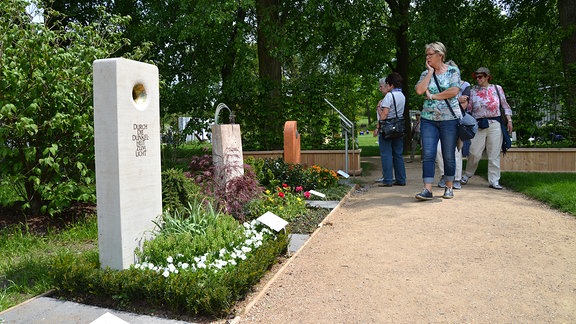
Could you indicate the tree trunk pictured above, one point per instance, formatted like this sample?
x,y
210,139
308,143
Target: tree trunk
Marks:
x,y
567,11
269,67
399,24
231,53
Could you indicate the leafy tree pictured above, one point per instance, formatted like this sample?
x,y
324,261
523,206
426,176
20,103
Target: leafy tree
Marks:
x,y
46,133
567,13
272,61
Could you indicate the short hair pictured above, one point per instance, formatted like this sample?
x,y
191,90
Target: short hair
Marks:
x,y
394,79
438,48
382,81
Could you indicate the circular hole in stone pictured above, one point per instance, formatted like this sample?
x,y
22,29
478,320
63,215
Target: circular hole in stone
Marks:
x,y
139,94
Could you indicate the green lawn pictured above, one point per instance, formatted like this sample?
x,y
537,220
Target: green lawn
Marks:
x,y
369,145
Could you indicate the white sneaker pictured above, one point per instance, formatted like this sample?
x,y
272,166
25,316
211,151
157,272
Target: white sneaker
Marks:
x,y
496,186
456,185
465,179
379,180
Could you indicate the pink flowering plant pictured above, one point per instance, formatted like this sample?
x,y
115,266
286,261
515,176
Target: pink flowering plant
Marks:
x,y
285,201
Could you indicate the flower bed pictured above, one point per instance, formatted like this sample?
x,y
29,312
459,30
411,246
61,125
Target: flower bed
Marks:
x,y
330,159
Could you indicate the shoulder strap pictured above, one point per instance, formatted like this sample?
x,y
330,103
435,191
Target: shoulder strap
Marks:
x,y
502,114
447,102
395,108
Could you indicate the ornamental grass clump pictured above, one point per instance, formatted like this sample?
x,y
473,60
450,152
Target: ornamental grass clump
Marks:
x,y
200,238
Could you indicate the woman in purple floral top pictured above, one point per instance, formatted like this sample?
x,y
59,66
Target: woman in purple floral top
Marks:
x,y
484,105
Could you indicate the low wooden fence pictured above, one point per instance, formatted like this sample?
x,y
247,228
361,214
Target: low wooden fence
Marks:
x,y
330,159
539,160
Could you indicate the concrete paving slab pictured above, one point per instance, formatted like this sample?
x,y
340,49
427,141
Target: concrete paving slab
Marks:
x,y
328,204
50,310
296,241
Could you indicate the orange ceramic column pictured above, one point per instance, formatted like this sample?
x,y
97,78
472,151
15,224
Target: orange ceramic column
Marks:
x,y
291,142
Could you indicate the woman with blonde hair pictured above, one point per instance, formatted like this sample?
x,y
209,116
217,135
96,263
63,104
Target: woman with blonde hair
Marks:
x,y
440,84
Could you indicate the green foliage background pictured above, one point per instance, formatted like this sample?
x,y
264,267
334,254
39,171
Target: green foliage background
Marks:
x,y
46,133
207,53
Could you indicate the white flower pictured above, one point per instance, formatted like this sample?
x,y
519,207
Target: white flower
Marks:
x,y
169,259
185,266
171,267
166,273
246,249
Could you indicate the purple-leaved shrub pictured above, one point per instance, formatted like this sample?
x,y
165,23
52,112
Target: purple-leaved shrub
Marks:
x,y
231,197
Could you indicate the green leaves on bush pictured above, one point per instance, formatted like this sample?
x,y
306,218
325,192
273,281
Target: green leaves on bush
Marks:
x,y
192,232
177,190
46,133
188,293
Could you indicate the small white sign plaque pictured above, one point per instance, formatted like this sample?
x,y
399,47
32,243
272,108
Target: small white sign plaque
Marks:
x,y
108,318
344,174
271,220
316,193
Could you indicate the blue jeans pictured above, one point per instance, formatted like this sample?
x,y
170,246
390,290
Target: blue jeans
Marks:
x,y
466,148
432,131
391,156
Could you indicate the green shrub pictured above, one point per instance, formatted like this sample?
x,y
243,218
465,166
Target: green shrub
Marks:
x,y
177,190
193,232
205,292
200,262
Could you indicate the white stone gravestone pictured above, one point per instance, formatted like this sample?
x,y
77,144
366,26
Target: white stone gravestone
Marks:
x,y
128,171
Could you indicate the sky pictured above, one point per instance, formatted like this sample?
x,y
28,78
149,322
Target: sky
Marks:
x,y
36,13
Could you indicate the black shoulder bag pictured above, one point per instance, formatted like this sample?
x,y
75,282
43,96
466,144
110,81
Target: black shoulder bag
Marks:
x,y
392,128
467,125
506,141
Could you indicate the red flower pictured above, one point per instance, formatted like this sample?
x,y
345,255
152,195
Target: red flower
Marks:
x,y
281,194
299,188
284,185
307,194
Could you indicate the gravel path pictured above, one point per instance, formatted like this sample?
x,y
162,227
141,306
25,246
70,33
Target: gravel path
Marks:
x,y
486,256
